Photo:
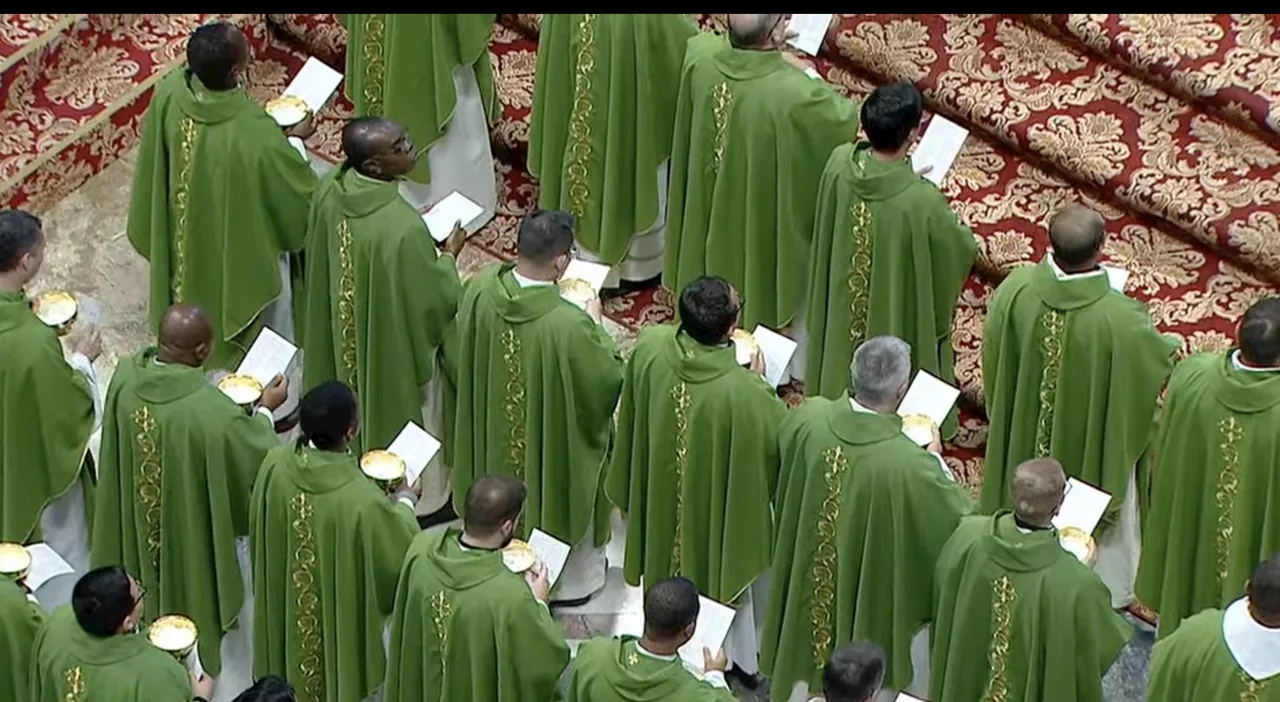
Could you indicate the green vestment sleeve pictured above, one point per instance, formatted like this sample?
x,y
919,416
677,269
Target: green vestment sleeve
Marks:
x,y
466,629
694,464
379,298
538,381
327,547
1018,612
401,66
614,670
864,515
69,664
1215,511
218,196
1195,665
1071,369
888,257
178,465
751,136
20,620
604,105
46,416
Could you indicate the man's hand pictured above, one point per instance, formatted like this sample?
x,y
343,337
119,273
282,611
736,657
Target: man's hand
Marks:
x,y
276,392
935,445
303,130
795,60
717,661
539,582
757,364
595,308
457,239
86,340
201,686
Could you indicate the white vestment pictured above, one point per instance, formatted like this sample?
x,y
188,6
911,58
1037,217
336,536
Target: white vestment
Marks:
x,y
1119,548
584,572
799,333
742,643
437,487
237,644
644,257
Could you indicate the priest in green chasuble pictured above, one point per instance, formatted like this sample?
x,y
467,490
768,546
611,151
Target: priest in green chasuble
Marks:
x,y
20,619
96,650
537,382
327,547
649,668
379,295
696,459
752,133
1225,654
862,515
604,106
889,255
431,73
49,407
854,673
1072,369
178,463
466,628
1217,465
1016,612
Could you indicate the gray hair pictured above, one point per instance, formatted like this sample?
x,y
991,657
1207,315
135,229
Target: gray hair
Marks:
x,y
751,31
881,368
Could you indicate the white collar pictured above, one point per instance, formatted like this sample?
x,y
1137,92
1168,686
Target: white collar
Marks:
x,y
861,408
1061,275
1255,648
650,654
528,282
1238,364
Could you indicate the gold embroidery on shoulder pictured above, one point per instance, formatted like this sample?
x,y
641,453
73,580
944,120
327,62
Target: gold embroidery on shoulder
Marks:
x,y
150,482
181,203
723,101
74,679
1225,497
441,619
347,303
1252,690
860,275
632,659
1051,347
680,393
580,147
374,67
311,642
1002,595
824,560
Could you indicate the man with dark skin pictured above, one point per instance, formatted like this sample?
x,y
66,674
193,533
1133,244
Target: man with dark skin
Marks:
x,y
186,338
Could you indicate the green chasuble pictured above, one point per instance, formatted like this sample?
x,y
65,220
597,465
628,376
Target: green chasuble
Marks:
x,y
694,464
71,665
401,66
604,107
889,257
1071,369
20,619
752,133
46,417
178,463
613,670
218,196
1215,511
862,516
1019,613
379,298
467,629
1195,665
327,549
538,380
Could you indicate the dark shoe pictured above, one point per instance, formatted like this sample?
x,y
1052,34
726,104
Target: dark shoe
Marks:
x,y
285,424
743,678
443,515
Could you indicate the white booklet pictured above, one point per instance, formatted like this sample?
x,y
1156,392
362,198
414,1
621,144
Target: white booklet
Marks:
x,y
553,553
904,697
1083,507
777,351
46,565
314,84
269,356
594,273
928,396
810,30
1116,277
939,147
714,620
454,208
416,448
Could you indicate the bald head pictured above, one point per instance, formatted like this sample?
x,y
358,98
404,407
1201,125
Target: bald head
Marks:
x,y
1077,235
185,329
377,147
1037,490
752,31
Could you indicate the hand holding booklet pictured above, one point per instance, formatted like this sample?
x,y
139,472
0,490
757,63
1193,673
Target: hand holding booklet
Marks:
x,y
314,84
777,350
810,30
1082,507
930,397
454,208
269,356
938,148
552,552
714,620
416,448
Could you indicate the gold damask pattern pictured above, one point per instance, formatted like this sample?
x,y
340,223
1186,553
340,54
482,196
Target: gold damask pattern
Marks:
x,y
683,401
825,555
1232,434
441,620
514,404
374,63
74,679
150,481
577,173
722,102
181,205
310,635
347,303
1055,326
859,274
1252,690
1002,595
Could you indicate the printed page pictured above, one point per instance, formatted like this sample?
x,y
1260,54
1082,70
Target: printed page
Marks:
x,y
930,397
46,565
812,29
594,273
1083,507
553,553
939,147
269,356
314,84
454,208
777,350
713,626
416,448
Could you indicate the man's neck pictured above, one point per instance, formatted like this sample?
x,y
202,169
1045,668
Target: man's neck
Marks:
x,y
658,648
11,284
1262,621
1030,525
536,272
175,360
491,543
1250,363
879,409
1072,270
374,176
890,156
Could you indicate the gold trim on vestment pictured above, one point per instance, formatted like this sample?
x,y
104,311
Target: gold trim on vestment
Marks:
x,y
824,554
578,170
74,678
1252,690
374,66
1055,325
181,205
859,274
347,304
514,406
1002,595
310,636
680,393
150,481
1225,496
723,100
441,616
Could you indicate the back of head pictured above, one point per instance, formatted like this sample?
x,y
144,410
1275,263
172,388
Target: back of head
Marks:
x,y
854,673
268,689
364,137
215,52
20,234
545,235
751,31
708,310
1077,234
1037,490
1260,333
327,414
880,371
890,114
102,599
492,500
1264,592
670,607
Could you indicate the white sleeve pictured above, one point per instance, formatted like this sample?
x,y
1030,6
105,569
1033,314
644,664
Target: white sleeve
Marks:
x,y
946,469
81,364
264,412
813,73
715,678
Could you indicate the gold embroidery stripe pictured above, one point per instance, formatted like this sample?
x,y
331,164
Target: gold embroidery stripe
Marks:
x,y
859,274
182,200
514,408
723,100
1252,690
441,617
1051,347
310,636
824,561
1225,497
680,393
374,67
1003,595
347,303
580,147
150,482
74,678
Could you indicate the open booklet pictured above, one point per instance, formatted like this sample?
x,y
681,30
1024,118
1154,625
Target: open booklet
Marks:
x,y
416,448
930,397
46,565
593,274
454,208
939,148
1116,277
810,31
552,552
314,84
1082,508
777,351
269,356
714,620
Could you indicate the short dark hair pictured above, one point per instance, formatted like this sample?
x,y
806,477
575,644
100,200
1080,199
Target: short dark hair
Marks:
x,y
492,500
889,114
102,599
213,54
20,233
1260,332
1264,589
1076,234
544,235
670,606
268,689
707,309
326,412
854,673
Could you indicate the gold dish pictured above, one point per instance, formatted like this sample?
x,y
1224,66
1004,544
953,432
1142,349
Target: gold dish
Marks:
x,y
244,390
15,561
745,346
383,467
288,110
919,428
1079,544
56,309
174,634
577,291
519,556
